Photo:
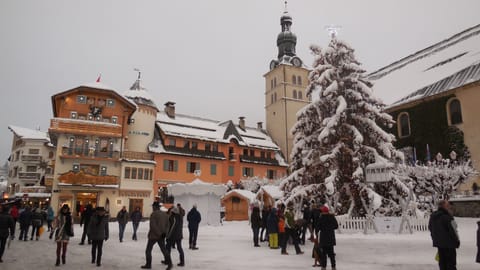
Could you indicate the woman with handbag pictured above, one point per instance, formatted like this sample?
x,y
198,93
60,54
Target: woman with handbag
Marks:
x,y
63,232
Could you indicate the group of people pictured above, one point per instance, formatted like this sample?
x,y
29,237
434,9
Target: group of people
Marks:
x,y
279,224
166,230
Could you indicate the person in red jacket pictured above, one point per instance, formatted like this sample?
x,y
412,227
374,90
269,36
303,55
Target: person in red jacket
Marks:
x,y
14,213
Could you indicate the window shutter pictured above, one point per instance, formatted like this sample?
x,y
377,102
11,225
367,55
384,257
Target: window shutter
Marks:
x,y
198,166
189,165
165,165
175,165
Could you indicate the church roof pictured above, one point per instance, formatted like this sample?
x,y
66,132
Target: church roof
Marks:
x,y
446,65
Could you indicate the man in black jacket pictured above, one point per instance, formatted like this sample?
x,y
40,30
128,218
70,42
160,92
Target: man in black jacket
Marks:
x,y
175,234
6,229
85,221
443,230
193,218
327,224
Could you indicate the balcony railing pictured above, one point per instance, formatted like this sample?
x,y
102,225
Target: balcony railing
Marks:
x,y
88,153
81,178
27,158
259,160
29,176
137,155
74,126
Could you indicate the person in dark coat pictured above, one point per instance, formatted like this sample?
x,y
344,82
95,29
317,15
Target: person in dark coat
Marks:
x,y
181,210
25,219
306,224
193,218
85,221
327,224
256,223
315,218
272,228
37,222
159,225
97,233
136,217
443,230
122,219
7,228
478,243
263,230
175,234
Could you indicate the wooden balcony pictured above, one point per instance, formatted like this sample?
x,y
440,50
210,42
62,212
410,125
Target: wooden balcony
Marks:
x,y
75,126
29,176
82,178
137,155
68,152
31,159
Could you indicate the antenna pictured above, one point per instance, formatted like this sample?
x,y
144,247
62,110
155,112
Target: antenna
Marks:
x,y
333,30
139,72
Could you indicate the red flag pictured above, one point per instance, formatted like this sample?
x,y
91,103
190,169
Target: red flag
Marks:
x,y
99,77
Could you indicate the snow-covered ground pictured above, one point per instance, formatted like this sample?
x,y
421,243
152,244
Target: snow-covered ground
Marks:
x,y
230,247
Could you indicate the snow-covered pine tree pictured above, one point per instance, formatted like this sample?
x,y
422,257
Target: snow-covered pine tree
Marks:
x,y
338,134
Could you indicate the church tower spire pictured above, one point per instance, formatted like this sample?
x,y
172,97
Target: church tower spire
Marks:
x,y
286,42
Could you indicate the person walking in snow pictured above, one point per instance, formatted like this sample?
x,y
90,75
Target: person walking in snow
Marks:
x,y
63,231
193,218
327,225
122,219
25,220
50,217
14,213
7,228
85,221
159,225
175,234
37,222
443,230
256,223
272,228
291,230
97,233
264,231
136,217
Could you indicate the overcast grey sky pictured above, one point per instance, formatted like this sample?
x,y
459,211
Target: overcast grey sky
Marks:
x,y
208,56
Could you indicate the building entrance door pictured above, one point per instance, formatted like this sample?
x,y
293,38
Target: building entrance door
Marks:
x,y
134,203
84,198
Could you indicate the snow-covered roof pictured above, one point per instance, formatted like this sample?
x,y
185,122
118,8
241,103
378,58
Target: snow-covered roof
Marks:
x,y
446,65
97,85
192,127
196,187
139,94
247,194
26,133
273,191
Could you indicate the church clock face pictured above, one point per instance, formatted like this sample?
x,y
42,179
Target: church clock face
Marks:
x,y
297,62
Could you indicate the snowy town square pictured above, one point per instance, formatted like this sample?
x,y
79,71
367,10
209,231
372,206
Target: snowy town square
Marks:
x,y
272,134
230,247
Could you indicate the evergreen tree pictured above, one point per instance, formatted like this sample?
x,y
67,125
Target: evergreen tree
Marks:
x,y
338,134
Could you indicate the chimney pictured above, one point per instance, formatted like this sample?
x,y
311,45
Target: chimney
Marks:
x,y
260,125
241,122
170,109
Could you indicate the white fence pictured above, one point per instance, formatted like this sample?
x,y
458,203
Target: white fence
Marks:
x,y
357,224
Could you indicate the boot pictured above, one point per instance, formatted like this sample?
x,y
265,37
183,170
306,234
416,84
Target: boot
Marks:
x,y
181,264
146,266
58,262
63,260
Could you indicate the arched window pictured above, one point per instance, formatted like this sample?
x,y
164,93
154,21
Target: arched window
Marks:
x,y
403,123
299,80
294,79
300,94
455,110
294,93
271,99
274,97
274,82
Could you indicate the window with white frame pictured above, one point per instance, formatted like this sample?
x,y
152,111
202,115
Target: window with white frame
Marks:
x,y
403,125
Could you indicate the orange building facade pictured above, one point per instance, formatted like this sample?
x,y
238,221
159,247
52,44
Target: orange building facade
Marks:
x,y
188,147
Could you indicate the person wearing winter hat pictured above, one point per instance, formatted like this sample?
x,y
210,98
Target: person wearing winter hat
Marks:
x,y
159,225
327,225
64,230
